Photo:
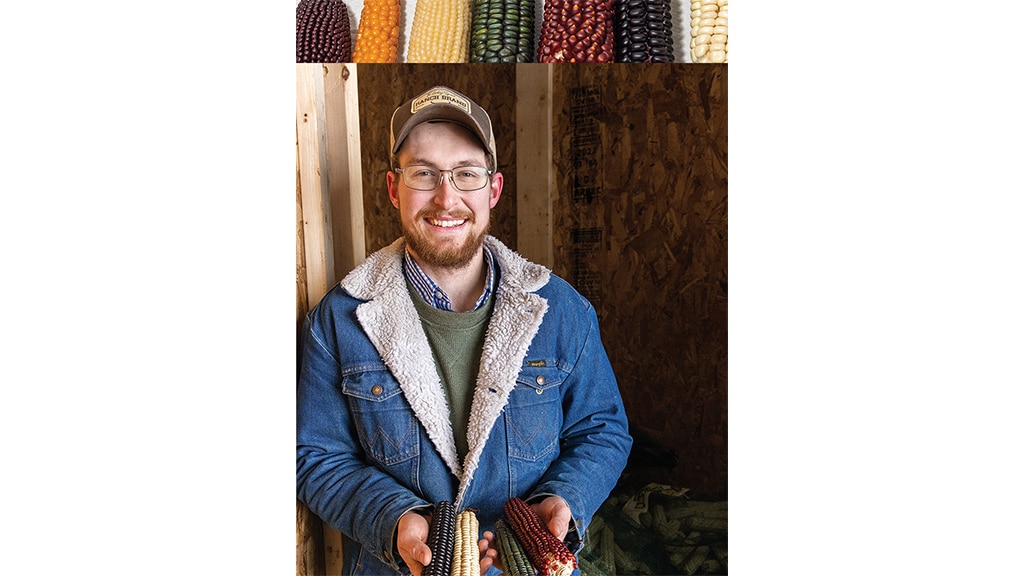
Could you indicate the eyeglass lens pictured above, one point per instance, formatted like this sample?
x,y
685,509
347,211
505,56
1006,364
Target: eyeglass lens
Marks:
x,y
465,178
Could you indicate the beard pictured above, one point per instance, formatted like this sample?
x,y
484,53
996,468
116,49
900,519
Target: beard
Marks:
x,y
448,254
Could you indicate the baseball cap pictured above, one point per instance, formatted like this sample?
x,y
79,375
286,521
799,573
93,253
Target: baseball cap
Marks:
x,y
442,104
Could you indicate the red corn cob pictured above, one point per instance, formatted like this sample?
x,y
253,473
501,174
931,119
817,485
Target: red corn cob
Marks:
x,y
547,553
574,31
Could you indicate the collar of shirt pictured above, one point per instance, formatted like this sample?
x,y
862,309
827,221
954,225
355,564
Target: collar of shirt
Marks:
x,y
432,293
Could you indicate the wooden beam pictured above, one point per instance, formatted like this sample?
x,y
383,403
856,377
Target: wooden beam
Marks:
x,y
533,163
310,127
341,98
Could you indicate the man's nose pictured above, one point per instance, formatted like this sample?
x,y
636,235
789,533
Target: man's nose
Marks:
x,y
446,194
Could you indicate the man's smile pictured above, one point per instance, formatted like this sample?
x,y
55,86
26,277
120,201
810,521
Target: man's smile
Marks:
x,y
445,223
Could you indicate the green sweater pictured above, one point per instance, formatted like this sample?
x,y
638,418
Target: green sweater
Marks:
x,y
456,339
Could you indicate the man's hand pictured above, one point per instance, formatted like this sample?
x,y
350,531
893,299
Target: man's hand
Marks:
x,y
413,530
553,511
555,514
411,539
488,553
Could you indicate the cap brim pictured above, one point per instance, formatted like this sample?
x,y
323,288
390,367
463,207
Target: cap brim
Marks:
x,y
439,114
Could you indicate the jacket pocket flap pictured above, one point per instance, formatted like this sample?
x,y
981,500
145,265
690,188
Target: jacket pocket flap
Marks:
x,y
540,378
372,385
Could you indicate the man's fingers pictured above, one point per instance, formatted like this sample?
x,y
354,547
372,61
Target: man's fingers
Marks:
x,y
412,533
559,523
488,553
487,541
422,553
555,514
485,565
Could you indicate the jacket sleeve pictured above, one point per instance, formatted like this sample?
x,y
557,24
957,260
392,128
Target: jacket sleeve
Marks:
x,y
595,440
332,476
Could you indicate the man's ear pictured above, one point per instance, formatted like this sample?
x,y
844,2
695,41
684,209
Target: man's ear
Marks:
x,y
497,181
392,180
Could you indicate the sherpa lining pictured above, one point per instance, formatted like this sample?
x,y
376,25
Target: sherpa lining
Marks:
x,y
390,320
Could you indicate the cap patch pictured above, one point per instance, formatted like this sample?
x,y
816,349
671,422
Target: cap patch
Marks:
x,y
440,95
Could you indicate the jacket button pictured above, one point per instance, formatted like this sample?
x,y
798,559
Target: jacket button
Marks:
x,y
540,380
376,390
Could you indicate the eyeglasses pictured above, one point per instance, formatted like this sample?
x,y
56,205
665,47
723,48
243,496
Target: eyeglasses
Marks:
x,y
426,178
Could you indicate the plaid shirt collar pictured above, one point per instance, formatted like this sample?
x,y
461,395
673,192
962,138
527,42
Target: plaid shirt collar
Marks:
x,y
432,293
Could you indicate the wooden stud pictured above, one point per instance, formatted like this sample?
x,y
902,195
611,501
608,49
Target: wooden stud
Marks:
x,y
533,164
310,126
344,164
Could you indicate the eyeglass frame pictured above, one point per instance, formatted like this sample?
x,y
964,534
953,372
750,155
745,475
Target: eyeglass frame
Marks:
x,y
451,177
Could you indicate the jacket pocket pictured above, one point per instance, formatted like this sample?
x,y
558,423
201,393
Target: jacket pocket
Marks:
x,y
383,419
533,415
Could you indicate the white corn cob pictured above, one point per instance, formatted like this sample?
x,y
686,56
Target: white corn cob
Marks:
x,y
467,553
440,32
709,31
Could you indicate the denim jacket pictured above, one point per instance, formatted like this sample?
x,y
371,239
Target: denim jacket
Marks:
x,y
374,438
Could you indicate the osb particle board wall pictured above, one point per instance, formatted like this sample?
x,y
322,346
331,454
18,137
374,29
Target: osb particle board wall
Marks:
x,y
382,88
640,228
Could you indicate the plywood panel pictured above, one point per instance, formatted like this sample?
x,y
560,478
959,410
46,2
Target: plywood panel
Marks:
x,y
640,228
385,87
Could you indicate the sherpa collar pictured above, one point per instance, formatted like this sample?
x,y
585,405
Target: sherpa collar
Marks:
x,y
389,319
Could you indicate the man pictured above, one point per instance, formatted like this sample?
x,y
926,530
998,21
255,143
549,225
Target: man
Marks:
x,y
448,368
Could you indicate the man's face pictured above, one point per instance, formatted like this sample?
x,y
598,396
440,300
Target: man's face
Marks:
x,y
444,227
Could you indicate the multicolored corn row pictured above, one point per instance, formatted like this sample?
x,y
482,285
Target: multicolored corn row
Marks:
x,y
467,551
514,559
577,31
322,32
502,31
547,553
643,31
709,31
440,32
377,36
441,540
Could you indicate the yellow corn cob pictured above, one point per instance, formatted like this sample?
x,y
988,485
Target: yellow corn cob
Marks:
x,y
709,31
377,36
467,553
440,32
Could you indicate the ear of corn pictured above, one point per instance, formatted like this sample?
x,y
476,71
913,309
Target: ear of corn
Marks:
x,y
514,559
377,36
547,553
577,31
643,31
322,32
467,552
709,31
440,32
502,31
441,540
